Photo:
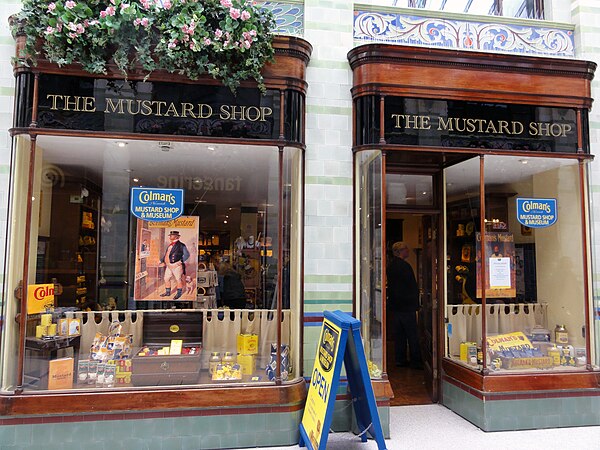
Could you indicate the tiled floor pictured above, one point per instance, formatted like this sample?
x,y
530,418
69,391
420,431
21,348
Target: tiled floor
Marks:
x,y
408,386
436,427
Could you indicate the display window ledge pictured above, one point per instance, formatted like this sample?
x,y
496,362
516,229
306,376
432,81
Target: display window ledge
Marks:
x,y
522,381
154,399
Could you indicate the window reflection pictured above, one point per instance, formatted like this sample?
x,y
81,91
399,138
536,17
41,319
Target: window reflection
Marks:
x,y
532,9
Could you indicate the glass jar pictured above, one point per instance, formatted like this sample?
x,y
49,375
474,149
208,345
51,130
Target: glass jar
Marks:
x,y
561,335
228,358
213,361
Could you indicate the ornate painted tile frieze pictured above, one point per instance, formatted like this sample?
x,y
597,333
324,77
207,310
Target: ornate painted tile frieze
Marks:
x,y
397,28
289,17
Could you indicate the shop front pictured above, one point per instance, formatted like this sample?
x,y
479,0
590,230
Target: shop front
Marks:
x,y
155,258
479,163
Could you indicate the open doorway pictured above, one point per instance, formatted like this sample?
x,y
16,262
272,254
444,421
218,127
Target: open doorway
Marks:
x,y
412,378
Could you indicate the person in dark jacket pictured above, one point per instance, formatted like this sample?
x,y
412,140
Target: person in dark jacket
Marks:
x,y
403,302
233,293
174,258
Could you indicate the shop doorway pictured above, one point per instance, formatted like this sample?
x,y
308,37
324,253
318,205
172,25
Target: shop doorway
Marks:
x,y
416,382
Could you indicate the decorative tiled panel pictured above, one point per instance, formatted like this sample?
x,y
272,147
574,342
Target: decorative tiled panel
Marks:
x,y
396,28
289,17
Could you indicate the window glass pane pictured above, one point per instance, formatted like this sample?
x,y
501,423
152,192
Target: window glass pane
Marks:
x,y
462,218
132,294
508,8
534,282
415,190
369,239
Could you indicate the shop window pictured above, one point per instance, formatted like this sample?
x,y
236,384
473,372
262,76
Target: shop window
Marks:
x,y
141,302
370,254
529,9
529,266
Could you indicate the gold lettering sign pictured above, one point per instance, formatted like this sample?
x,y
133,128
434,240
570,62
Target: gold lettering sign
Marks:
x,y
160,109
481,126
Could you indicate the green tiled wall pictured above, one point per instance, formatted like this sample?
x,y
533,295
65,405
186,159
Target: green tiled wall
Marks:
x,y
505,415
202,432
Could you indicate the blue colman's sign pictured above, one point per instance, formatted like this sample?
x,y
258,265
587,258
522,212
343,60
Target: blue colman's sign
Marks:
x,y
536,212
157,205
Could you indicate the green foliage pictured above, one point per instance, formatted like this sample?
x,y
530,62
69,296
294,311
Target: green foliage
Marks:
x,y
229,40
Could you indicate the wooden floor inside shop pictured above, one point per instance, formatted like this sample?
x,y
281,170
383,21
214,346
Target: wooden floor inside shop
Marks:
x,y
407,383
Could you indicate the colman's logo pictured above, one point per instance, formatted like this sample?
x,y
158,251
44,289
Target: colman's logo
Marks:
x,y
40,297
43,291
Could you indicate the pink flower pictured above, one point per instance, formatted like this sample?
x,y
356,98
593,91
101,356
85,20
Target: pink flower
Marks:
x,y
218,33
103,14
245,15
80,29
71,26
49,30
145,22
51,7
247,44
166,4
171,45
234,13
124,6
145,4
111,10
226,3
136,22
70,4
59,27
207,41
72,35
252,32
191,46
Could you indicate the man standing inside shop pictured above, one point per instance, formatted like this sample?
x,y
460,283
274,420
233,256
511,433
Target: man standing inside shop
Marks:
x,y
174,259
403,302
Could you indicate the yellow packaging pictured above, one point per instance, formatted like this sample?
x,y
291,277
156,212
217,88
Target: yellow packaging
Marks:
x,y
40,330
63,327
464,350
74,327
46,319
247,363
555,354
52,329
247,344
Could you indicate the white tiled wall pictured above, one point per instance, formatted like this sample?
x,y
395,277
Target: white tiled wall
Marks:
x,y
7,51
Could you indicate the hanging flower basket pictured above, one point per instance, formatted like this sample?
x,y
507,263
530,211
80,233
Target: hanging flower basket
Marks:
x,y
230,40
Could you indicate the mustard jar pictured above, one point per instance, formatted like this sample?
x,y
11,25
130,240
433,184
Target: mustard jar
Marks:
x,y
561,335
213,361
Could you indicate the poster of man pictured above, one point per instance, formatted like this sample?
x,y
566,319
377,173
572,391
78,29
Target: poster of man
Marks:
x,y
500,270
166,260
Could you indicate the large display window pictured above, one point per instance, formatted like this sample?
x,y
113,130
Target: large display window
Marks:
x,y
521,280
117,301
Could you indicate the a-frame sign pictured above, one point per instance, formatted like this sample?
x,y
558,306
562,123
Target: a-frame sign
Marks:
x,y
340,341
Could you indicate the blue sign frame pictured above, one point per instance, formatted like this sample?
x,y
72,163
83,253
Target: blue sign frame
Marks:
x,y
350,347
537,212
156,204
